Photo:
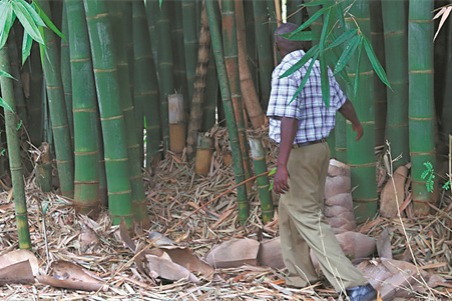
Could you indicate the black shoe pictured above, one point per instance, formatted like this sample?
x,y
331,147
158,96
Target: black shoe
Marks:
x,y
362,293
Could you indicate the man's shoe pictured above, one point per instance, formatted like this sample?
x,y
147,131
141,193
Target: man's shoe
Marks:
x,y
362,293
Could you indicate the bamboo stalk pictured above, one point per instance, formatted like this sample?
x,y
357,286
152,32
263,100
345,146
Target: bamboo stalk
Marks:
x,y
211,96
197,102
229,111
87,198
190,43
35,101
396,44
249,94
260,167
112,120
57,108
20,204
177,42
421,103
229,33
66,72
361,154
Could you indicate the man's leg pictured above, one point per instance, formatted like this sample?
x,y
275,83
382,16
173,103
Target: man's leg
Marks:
x,y
307,169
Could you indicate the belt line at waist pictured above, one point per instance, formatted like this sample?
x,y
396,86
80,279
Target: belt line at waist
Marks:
x,y
297,145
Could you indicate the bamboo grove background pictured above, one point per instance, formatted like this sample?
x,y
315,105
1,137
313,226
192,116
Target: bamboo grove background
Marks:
x,y
126,81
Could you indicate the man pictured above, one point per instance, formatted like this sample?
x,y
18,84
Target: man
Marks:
x,y
300,128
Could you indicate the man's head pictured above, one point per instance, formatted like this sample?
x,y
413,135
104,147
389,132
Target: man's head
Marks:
x,y
284,45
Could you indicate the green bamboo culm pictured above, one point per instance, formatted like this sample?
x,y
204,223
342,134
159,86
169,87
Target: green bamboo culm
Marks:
x,y
86,146
177,42
211,96
264,50
164,59
231,60
294,11
396,48
122,13
340,133
446,112
239,175
378,42
190,43
360,154
112,120
263,184
35,101
146,96
421,103
66,72
15,163
57,108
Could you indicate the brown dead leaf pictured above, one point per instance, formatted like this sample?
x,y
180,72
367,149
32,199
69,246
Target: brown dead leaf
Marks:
x,y
65,270
185,257
88,238
19,256
164,268
71,284
234,253
384,244
270,254
19,272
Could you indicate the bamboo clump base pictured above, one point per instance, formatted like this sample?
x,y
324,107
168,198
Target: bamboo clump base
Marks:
x,y
175,196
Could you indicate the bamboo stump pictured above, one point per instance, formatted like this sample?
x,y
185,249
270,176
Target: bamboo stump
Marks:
x,y
44,168
177,123
204,151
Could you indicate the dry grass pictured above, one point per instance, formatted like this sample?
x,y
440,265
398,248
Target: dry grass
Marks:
x,y
175,196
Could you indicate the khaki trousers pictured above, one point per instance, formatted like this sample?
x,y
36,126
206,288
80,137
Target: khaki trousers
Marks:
x,y
303,227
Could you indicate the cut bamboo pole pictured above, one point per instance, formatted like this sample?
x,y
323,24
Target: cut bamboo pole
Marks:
x,y
177,123
260,167
204,153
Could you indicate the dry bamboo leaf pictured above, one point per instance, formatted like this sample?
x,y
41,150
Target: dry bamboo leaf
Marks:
x,y
159,239
270,254
356,245
71,284
19,256
384,244
19,272
234,253
127,240
397,285
185,257
88,239
393,193
166,269
63,270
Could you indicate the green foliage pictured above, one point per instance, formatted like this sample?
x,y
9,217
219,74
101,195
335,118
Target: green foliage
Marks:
x,y
334,34
5,105
429,176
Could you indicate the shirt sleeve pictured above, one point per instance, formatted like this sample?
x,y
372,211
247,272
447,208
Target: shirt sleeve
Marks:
x,y
282,102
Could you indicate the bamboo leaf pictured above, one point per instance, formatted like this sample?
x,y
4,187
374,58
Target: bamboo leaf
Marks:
x,y
358,73
32,12
299,36
306,77
444,17
339,12
324,31
375,63
345,36
46,20
347,54
27,42
6,21
311,19
5,105
324,80
310,54
316,3
27,22
6,74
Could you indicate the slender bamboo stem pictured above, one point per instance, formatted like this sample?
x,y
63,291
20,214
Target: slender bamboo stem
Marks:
x,y
20,203
229,111
66,72
35,101
190,43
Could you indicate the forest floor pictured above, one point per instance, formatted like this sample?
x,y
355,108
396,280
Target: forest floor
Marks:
x,y
178,209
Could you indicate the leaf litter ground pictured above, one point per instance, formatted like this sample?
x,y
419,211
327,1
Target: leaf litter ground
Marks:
x,y
177,208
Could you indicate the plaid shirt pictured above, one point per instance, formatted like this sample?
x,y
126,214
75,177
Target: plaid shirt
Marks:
x,y
315,120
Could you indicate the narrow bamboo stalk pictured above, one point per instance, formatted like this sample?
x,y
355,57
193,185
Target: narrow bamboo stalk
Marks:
x,y
35,101
229,111
249,94
294,11
260,167
57,108
87,198
66,72
20,203
177,42
195,122
212,96
146,95
421,103
229,33
396,45
190,43
113,125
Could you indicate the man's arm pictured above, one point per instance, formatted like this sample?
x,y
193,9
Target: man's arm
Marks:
x,y
289,127
348,111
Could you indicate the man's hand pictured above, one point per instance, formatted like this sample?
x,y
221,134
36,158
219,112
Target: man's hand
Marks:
x,y
281,180
358,128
